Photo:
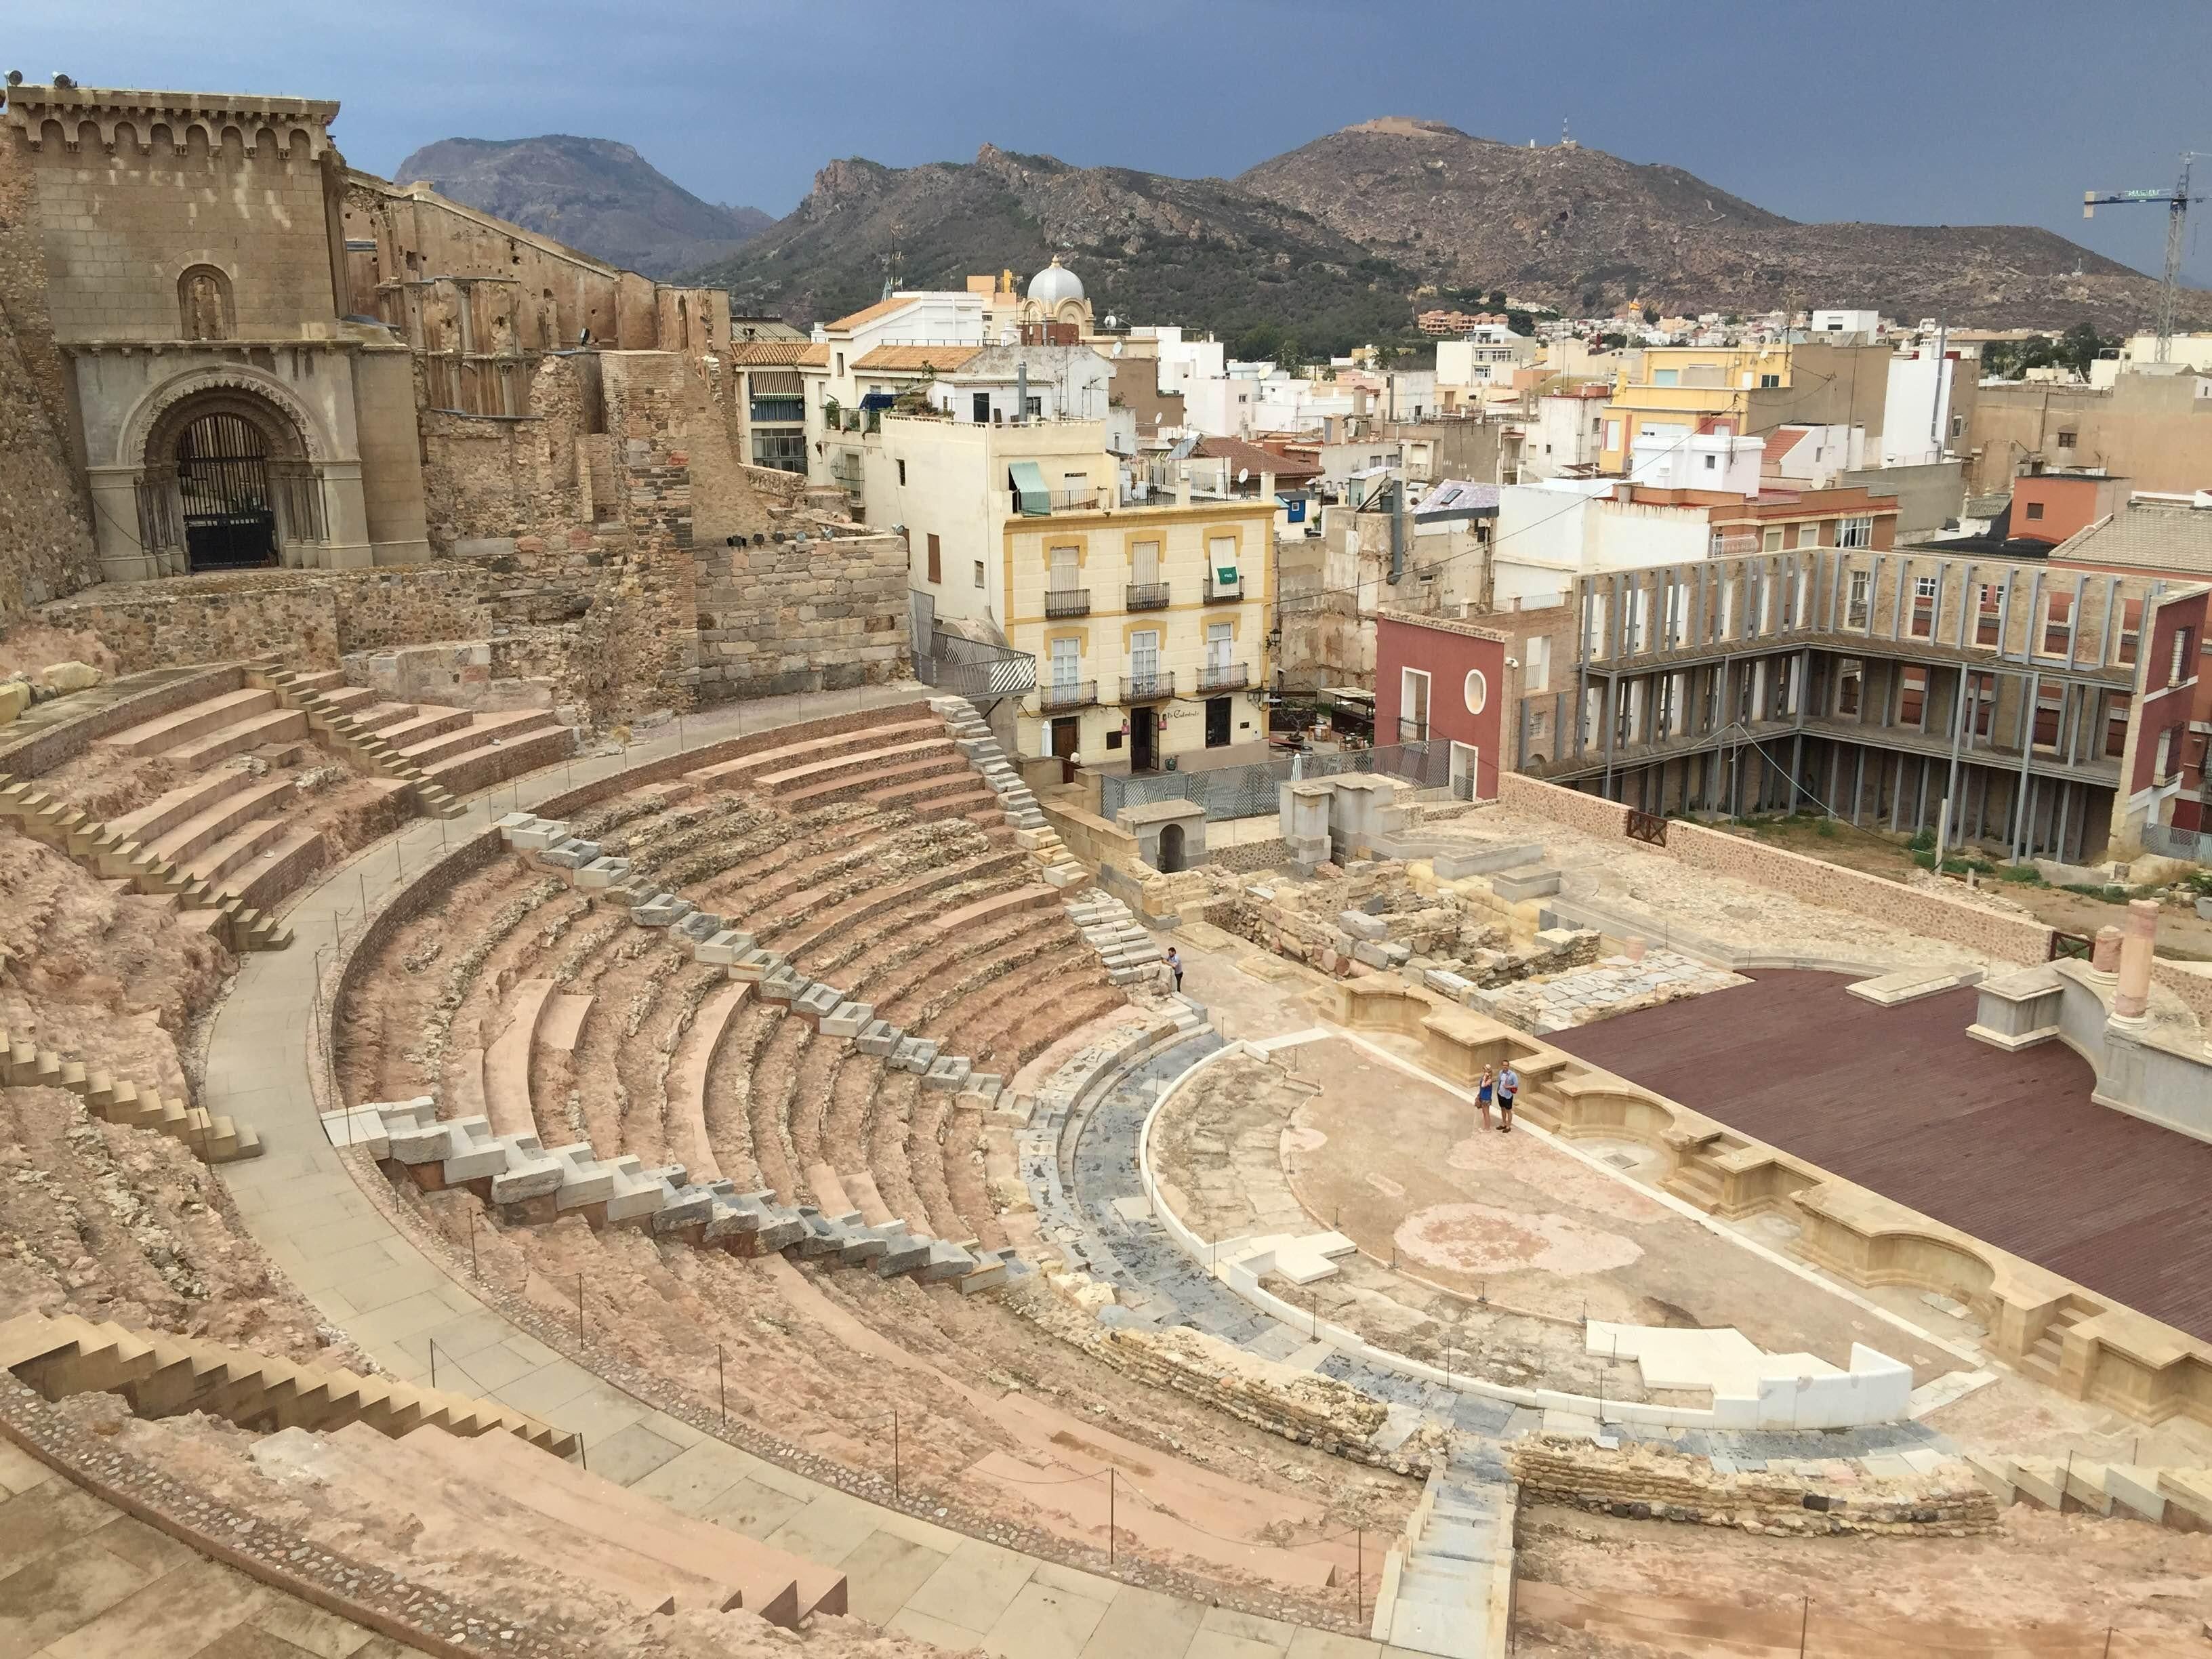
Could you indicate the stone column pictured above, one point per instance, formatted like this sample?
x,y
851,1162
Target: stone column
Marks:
x,y
2133,1002
115,528
345,529
2104,959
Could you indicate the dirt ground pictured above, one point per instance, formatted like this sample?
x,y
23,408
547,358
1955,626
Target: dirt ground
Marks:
x,y
215,1457
30,648
97,1219
2074,1573
110,1222
106,976
2182,933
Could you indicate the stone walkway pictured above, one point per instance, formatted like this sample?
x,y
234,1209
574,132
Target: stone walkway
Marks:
x,y
80,1579
303,1207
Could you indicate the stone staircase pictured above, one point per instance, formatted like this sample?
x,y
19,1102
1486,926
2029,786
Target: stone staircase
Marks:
x,y
112,855
972,738
437,753
215,1138
1108,926
1447,1585
2178,1500
162,1375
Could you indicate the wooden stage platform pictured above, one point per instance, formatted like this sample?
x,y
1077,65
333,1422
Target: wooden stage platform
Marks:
x,y
2007,1147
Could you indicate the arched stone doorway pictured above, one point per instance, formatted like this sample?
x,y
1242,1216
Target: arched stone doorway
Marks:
x,y
229,484
1170,848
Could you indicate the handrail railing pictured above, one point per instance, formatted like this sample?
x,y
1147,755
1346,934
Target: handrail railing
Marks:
x,y
1224,676
1067,602
1067,693
1145,596
1148,688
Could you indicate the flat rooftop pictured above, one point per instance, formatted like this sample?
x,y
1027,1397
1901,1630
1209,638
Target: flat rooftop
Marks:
x,y
2007,1147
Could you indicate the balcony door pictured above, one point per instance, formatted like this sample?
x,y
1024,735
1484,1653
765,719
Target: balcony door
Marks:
x,y
1220,641
1066,663
1143,657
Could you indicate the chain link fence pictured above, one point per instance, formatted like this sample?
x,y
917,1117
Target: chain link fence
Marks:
x,y
1248,792
2169,843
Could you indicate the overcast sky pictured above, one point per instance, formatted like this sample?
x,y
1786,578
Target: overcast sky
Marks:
x,y
1945,112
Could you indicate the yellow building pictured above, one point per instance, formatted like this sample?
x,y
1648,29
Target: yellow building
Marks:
x,y
1148,624
1747,390
1684,389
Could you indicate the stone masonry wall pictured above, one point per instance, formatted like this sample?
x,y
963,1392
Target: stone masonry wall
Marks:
x,y
46,549
811,615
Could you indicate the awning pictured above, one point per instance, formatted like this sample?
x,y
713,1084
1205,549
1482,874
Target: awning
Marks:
x,y
777,382
878,400
1027,482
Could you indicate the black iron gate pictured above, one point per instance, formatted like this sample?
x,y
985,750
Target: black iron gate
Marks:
x,y
230,512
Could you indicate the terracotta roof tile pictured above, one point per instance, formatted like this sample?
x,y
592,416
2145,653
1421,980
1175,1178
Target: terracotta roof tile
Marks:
x,y
881,308
1257,460
943,358
778,354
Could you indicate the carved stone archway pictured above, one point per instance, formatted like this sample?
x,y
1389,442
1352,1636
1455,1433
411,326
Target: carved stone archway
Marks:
x,y
270,487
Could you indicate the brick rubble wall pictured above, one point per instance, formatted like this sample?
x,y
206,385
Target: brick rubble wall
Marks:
x,y
1641,1483
46,548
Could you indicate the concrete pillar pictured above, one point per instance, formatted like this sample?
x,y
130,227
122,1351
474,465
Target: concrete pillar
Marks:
x,y
2133,1000
2105,958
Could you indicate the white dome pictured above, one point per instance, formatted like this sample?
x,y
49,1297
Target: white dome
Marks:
x,y
1056,283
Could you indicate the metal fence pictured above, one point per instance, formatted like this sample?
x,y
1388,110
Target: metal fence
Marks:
x,y
1248,792
2169,843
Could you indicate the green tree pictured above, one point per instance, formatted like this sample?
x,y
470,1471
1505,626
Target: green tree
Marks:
x,y
1650,314
1288,355
1259,343
1495,299
2078,347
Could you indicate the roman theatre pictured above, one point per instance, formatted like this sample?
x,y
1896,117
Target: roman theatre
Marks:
x,y
546,1114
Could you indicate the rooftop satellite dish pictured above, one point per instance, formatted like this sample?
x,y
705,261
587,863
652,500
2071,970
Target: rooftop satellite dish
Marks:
x,y
1117,348
1244,474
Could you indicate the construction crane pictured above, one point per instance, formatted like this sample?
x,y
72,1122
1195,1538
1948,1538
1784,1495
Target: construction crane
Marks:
x,y
2177,202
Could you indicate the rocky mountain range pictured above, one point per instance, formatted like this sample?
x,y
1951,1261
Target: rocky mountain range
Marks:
x,y
598,196
1336,242
1147,245
1583,229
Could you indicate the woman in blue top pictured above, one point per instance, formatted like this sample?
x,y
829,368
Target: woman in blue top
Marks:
x,y
1484,1086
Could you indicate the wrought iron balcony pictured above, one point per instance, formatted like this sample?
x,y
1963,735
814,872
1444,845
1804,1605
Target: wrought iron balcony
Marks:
x,y
1067,602
1055,694
1220,592
1224,676
1148,688
1146,596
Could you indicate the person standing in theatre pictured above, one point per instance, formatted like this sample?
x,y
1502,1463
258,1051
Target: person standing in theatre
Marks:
x,y
1509,1085
1485,1086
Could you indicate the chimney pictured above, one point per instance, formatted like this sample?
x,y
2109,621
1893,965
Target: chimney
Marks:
x,y
1182,485
1268,488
